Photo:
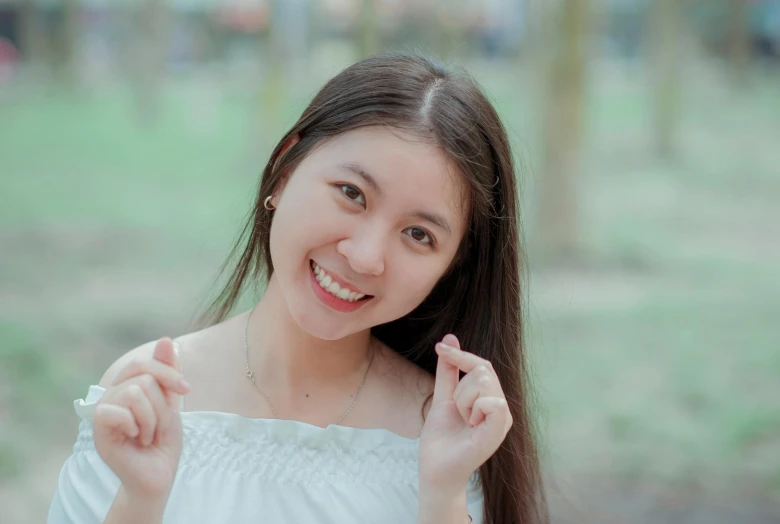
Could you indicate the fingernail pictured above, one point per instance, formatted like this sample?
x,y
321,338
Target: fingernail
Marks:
x,y
444,348
183,384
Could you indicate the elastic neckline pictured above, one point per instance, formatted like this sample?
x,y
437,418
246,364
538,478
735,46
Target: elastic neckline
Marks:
x,y
295,424
303,433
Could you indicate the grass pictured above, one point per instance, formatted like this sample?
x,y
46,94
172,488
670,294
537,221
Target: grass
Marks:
x,y
35,380
659,360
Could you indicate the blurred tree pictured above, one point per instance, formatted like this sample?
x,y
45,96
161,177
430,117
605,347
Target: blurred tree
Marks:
x,y
33,40
739,40
665,50
209,38
567,23
370,37
276,59
283,48
534,40
449,35
70,31
151,47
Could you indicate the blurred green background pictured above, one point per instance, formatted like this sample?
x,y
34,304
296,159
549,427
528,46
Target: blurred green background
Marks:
x,y
132,134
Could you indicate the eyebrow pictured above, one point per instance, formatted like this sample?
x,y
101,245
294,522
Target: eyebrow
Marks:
x,y
358,170
433,218
423,215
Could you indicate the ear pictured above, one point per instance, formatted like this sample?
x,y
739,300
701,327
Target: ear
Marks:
x,y
283,179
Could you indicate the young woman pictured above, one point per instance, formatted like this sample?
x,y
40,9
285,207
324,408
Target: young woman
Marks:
x,y
381,377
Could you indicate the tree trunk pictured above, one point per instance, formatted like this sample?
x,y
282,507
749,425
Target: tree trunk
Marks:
x,y
665,33
739,41
277,60
370,37
33,41
533,41
150,53
449,40
69,42
271,92
558,231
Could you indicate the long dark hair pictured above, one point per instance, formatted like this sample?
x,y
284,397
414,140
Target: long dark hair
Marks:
x,y
479,299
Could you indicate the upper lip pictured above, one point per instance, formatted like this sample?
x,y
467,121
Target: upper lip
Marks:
x,y
341,281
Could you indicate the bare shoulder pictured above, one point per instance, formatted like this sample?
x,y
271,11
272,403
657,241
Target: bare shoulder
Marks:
x,y
142,351
203,352
189,345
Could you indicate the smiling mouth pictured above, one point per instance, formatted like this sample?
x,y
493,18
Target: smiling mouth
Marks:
x,y
332,287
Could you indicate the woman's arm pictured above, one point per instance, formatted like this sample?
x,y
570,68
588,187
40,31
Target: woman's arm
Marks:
x,y
442,506
129,509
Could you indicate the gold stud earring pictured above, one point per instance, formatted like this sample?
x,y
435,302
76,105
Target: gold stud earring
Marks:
x,y
267,203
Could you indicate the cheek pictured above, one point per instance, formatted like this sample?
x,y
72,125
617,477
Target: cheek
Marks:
x,y
299,233
411,283
301,217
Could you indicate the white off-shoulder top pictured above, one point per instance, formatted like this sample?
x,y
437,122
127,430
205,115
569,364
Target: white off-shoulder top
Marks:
x,y
235,469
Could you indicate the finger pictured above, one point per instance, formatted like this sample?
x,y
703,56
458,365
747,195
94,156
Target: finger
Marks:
x,y
167,352
167,376
476,418
157,399
143,412
494,411
481,382
451,340
465,395
447,377
116,417
484,379
464,360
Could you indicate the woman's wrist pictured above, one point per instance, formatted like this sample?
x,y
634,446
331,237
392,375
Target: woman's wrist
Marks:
x,y
442,505
131,507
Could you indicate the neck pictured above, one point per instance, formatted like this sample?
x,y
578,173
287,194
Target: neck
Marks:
x,y
289,363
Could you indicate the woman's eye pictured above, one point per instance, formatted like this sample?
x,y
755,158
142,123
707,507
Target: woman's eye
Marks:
x,y
420,235
353,193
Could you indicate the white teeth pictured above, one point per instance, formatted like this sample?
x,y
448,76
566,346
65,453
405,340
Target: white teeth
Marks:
x,y
333,287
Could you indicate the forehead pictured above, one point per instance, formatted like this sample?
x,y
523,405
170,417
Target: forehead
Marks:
x,y
406,167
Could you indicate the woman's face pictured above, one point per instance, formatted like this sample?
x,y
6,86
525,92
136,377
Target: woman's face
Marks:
x,y
374,212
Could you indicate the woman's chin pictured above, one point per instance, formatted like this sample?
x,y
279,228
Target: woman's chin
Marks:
x,y
328,333
324,329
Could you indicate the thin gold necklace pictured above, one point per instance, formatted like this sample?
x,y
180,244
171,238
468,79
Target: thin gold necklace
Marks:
x,y
251,376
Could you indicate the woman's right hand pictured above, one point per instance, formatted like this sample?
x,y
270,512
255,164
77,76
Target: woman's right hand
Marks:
x,y
137,426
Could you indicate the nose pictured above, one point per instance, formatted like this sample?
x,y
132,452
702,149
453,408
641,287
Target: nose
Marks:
x,y
365,251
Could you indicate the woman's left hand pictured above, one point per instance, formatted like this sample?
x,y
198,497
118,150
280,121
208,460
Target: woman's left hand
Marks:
x,y
468,419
